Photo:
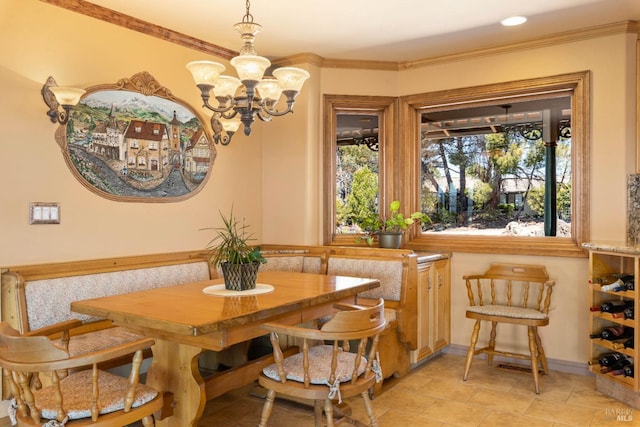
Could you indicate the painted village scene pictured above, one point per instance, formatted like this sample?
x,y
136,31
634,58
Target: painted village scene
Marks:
x,y
132,145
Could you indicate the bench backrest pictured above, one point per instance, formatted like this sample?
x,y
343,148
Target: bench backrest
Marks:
x,y
390,271
303,259
32,299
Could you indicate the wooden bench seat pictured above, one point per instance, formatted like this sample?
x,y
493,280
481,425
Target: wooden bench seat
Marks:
x,y
36,299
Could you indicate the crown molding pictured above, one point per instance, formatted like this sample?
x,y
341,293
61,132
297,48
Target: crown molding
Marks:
x,y
539,42
108,15
111,16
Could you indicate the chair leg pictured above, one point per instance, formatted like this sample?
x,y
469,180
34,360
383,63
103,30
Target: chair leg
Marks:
x,y
148,421
534,357
373,421
317,410
492,343
541,355
472,349
328,411
266,409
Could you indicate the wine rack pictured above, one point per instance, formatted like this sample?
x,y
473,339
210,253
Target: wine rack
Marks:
x,y
605,261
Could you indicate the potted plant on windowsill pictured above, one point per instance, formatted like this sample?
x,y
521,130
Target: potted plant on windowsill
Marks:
x,y
389,229
230,250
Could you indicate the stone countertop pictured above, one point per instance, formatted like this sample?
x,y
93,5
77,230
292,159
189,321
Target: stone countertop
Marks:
x,y
613,246
424,256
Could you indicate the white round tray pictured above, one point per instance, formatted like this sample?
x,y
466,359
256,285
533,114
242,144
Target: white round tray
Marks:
x,y
221,291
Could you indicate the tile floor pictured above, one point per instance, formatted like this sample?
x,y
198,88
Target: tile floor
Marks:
x,y
435,395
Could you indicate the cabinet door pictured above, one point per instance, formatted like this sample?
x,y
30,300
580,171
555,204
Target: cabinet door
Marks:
x,y
441,304
425,319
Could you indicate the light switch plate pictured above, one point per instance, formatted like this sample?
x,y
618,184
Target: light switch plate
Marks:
x,y
44,213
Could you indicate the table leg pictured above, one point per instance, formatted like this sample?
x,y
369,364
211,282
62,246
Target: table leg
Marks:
x,y
175,369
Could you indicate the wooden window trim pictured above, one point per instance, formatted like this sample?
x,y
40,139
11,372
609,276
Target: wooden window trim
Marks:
x,y
409,117
386,108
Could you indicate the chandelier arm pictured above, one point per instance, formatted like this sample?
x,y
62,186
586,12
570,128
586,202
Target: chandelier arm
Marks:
x,y
276,113
264,118
205,100
229,114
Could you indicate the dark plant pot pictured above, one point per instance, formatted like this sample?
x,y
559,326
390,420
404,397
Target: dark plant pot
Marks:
x,y
249,275
390,239
240,277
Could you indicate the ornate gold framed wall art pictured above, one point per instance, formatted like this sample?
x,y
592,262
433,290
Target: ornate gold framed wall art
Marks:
x,y
134,141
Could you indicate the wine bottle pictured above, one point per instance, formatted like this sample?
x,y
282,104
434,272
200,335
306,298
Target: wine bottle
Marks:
x,y
626,314
617,286
603,280
609,359
628,371
612,333
628,343
615,306
619,365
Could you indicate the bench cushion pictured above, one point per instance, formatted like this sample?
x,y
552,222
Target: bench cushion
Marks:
x,y
49,300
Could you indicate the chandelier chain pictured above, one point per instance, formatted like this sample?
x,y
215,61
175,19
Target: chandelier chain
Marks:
x,y
248,17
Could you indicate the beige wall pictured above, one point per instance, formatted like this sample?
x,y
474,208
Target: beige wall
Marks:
x,y
274,177
612,62
39,40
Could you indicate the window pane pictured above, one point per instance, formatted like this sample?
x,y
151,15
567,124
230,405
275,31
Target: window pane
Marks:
x,y
484,169
357,170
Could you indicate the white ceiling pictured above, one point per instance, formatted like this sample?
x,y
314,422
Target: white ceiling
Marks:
x,y
399,30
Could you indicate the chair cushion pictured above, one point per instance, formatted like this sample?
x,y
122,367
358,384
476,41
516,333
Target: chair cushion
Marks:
x,y
319,366
507,311
76,391
91,342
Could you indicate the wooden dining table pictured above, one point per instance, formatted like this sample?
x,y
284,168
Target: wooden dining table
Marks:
x,y
185,320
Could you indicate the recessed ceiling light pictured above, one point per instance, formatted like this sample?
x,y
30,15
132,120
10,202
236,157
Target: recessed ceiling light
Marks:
x,y
513,20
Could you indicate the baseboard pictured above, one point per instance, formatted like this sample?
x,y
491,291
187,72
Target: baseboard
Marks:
x,y
552,364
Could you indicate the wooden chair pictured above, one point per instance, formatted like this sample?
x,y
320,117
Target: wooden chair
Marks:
x,y
327,371
51,388
518,294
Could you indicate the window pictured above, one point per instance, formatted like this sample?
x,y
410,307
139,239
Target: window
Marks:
x,y
486,170
358,143
357,170
467,147
403,173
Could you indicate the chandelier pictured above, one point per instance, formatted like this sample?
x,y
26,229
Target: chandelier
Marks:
x,y
257,96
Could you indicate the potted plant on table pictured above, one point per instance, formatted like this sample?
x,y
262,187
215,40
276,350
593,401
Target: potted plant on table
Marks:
x,y
389,229
230,250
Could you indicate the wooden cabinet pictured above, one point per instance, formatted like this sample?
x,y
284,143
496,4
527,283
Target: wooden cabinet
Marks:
x,y
434,305
605,261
